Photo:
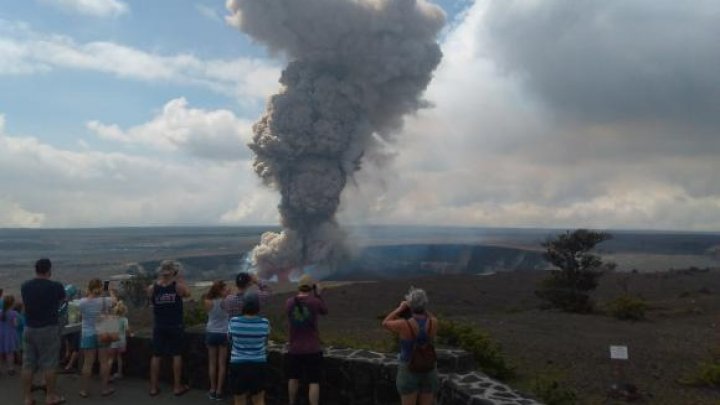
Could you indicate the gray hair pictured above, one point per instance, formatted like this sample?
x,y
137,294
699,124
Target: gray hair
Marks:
x,y
417,299
168,268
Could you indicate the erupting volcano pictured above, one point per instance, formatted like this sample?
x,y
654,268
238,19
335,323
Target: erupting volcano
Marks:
x,y
356,67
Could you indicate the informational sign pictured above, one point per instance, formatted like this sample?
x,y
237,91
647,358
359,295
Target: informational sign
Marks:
x,y
619,353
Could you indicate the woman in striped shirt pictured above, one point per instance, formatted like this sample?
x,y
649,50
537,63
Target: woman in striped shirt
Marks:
x,y
248,357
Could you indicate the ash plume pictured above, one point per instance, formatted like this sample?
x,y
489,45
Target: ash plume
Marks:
x,y
356,67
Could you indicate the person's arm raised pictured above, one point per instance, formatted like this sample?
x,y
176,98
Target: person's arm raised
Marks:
x,y
181,287
393,321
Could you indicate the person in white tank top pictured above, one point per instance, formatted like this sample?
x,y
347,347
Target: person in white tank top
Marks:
x,y
216,338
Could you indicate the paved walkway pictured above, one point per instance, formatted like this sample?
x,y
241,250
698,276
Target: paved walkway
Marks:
x,y
127,391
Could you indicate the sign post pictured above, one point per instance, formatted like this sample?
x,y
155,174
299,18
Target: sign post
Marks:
x,y
621,388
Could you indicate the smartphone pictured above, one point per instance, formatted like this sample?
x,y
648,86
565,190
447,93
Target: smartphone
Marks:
x,y
106,285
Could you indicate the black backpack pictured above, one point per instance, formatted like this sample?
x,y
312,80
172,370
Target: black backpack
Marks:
x,y
423,358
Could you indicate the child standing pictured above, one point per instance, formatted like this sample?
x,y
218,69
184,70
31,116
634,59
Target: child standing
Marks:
x,y
8,334
118,349
216,338
20,328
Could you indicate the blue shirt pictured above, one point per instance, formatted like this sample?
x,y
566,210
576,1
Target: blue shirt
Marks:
x,y
249,339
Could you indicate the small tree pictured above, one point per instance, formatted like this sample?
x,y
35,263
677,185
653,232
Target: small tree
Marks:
x,y
579,270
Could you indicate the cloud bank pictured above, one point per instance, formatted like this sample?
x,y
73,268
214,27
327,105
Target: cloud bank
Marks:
x,y
213,135
546,113
555,114
92,8
24,52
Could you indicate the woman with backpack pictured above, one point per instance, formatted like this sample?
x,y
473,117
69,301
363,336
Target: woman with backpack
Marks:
x,y
417,378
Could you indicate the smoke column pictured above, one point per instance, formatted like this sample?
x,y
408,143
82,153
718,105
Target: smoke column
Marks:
x,y
356,67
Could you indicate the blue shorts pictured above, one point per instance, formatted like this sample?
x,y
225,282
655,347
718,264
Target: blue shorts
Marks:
x,y
91,342
410,383
216,339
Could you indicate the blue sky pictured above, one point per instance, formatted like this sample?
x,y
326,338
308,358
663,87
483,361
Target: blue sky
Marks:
x,y
123,112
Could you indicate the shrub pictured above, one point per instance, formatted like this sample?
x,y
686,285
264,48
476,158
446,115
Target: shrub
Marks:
x,y
552,392
194,314
486,352
278,328
707,374
628,308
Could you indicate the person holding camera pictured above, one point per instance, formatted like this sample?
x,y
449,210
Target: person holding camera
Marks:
x,y
417,377
166,296
305,353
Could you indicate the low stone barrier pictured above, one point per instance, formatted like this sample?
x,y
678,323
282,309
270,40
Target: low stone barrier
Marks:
x,y
352,377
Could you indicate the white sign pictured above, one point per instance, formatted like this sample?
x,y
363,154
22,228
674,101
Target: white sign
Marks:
x,y
619,353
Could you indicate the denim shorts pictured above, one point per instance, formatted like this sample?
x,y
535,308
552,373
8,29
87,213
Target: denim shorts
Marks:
x,y
216,339
409,383
41,348
91,342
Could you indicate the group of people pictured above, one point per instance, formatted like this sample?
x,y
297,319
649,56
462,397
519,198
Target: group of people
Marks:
x,y
237,336
48,307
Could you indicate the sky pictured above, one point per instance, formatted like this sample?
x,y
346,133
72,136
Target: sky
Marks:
x,y
543,113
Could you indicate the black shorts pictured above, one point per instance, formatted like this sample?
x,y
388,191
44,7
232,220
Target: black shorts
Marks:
x,y
168,340
247,378
306,367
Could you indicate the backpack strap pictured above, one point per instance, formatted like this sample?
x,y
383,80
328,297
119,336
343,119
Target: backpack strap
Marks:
x,y
428,326
412,331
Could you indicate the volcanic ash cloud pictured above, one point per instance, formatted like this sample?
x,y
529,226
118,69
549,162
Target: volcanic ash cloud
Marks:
x,y
356,67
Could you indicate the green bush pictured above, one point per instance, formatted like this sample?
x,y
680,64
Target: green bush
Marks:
x,y
707,374
278,328
194,314
552,392
628,308
559,293
487,353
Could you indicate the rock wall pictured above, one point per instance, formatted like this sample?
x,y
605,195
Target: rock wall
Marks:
x,y
352,377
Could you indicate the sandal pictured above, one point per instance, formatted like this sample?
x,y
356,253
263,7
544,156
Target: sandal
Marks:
x,y
154,393
182,392
107,393
57,401
83,394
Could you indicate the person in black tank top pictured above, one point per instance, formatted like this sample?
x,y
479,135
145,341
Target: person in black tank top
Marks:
x,y
166,296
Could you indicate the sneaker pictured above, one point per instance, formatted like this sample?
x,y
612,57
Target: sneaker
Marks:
x,y
211,395
219,396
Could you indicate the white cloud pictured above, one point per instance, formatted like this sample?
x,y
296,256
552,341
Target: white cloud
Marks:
x,y
258,206
12,215
23,51
43,185
208,12
93,8
216,135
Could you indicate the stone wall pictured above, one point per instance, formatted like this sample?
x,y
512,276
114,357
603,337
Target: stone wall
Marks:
x,y
352,377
